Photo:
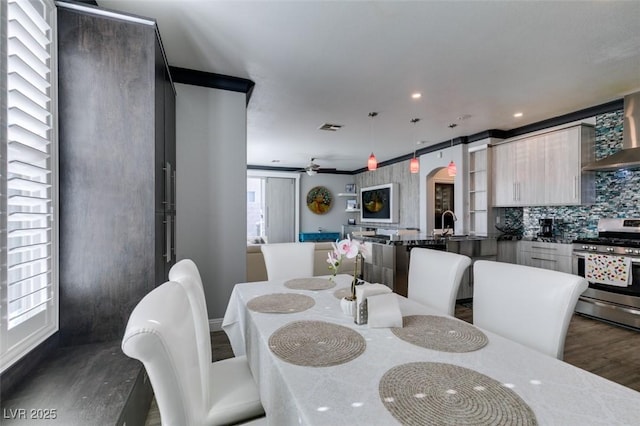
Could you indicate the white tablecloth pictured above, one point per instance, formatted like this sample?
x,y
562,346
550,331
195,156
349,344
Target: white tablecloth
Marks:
x,y
558,393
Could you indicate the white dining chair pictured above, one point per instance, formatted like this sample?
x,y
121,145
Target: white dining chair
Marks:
x,y
163,336
435,276
185,272
288,260
532,306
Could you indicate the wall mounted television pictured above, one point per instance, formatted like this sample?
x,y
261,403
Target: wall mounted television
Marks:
x,y
379,203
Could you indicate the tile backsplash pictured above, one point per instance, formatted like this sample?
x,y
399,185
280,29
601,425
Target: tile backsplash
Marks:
x,y
617,192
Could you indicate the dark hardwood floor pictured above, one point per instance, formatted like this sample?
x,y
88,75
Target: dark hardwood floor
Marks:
x,y
606,350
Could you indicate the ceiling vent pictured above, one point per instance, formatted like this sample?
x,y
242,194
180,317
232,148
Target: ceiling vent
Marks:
x,y
330,127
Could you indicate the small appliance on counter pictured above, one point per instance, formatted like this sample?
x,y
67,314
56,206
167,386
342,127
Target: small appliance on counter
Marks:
x,y
546,228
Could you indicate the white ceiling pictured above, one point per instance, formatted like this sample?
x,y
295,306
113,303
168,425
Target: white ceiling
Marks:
x,y
335,61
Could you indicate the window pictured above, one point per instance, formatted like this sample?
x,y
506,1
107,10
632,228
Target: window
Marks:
x,y
28,178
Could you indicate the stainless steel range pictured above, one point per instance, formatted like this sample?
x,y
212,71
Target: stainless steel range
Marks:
x,y
618,242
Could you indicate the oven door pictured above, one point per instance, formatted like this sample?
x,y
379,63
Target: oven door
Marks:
x,y
631,290
617,304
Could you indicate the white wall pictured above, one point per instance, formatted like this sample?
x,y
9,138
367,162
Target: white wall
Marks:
x,y
211,188
428,164
333,220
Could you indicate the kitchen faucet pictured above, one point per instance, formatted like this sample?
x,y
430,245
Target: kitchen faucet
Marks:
x,y
454,219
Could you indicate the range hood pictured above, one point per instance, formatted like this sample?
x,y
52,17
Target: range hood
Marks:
x,y
629,156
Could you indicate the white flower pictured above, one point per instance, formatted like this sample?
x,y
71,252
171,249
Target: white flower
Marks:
x,y
341,249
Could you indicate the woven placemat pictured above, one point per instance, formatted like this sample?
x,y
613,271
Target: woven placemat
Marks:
x,y
316,343
309,284
429,393
342,292
440,333
281,303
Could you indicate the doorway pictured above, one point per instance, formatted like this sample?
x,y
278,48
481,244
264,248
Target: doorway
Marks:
x,y
272,215
443,201
440,198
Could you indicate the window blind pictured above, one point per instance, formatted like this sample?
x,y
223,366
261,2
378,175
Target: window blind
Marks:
x,y
30,291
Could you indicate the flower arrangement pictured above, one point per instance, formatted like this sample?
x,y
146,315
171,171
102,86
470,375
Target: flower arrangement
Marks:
x,y
349,249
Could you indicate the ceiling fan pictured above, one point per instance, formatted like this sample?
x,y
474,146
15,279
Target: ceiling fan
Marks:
x,y
313,168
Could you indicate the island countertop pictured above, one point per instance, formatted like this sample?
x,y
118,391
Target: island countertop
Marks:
x,y
417,239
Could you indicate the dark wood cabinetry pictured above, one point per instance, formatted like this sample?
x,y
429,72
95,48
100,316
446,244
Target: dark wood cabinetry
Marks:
x,y
117,170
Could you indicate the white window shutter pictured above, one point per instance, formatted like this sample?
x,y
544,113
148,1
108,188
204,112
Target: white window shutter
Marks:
x,y
29,237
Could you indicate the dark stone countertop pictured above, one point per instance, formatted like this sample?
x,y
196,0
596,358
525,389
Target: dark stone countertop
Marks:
x,y
419,239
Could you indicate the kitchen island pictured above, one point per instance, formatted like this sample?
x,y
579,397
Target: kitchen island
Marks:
x,y
389,256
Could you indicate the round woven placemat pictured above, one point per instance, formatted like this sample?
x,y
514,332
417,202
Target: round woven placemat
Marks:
x,y
440,333
429,393
342,292
316,343
281,303
309,284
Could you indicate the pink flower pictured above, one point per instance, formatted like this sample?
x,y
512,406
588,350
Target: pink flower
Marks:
x,y
348,248
332,260
344,248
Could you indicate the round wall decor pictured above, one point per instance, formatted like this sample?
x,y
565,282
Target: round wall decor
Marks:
x,y
319,200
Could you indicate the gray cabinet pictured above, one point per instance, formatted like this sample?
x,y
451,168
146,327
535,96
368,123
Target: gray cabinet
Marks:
x,y
507,251
545,169
566,152
518,170
554,256
380,265
117,170
504,179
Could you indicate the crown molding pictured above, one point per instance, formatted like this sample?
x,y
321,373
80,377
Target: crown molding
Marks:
x,y
212,80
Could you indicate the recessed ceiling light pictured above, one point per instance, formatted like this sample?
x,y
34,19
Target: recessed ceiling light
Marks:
x,y
416,95
517,115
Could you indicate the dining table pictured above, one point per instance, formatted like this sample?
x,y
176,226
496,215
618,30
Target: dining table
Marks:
x,y
314,365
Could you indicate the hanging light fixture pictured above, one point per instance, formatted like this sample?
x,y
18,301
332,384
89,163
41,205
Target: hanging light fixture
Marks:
x,y
372,163
452,170
414,164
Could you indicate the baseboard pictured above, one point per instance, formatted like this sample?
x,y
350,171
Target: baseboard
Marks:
x,y
215,324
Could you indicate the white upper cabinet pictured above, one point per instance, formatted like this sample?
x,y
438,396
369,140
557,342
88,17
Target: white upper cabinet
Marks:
x,y
545,169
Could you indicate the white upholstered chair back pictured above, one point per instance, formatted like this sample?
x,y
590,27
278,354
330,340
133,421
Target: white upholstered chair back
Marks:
x,y
189,388
185,267
163,338
186,274
435,276
529,305
288,260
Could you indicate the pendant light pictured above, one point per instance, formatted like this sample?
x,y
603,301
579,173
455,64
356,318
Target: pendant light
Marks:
x,y
452,170
372,163
414,164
